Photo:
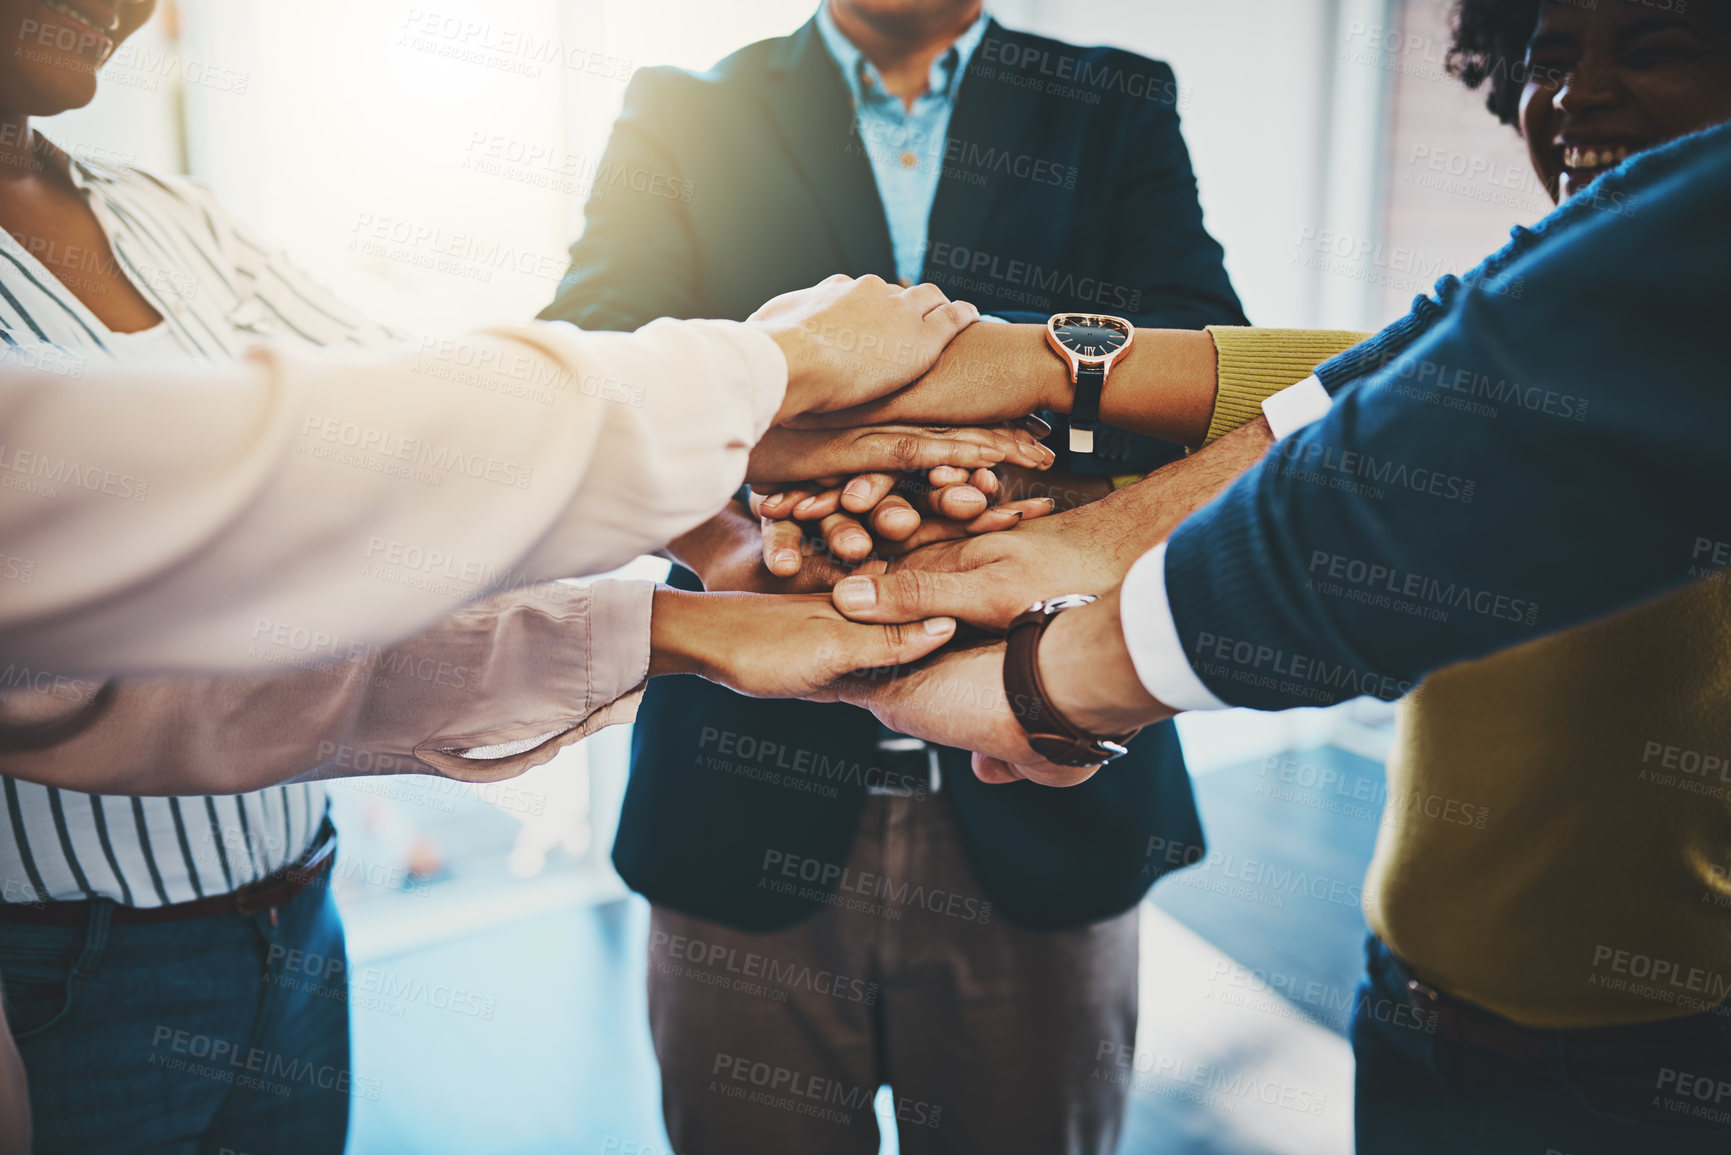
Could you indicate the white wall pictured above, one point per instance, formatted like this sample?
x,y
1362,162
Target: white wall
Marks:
x,y
1274,156
427,160
134,119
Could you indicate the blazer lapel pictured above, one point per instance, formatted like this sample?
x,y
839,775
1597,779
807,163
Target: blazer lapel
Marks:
x,y
812,111
987,128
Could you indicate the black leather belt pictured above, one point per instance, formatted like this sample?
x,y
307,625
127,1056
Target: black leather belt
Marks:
x,y
901,771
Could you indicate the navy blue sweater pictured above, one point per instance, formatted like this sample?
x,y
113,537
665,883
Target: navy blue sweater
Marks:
x,y
1541,444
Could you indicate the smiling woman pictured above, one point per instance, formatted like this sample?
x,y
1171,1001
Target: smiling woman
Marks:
x,y
101,262
1590,85
60,46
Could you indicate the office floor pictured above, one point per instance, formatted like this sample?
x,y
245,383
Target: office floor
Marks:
x,y
529,1037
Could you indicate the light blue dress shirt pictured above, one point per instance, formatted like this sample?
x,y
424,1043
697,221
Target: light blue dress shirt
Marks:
x,y
906,148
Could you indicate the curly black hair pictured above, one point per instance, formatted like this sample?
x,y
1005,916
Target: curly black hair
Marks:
x,y
1490,43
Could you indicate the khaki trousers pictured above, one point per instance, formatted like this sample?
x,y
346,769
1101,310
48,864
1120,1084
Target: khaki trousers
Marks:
x,y
987,1034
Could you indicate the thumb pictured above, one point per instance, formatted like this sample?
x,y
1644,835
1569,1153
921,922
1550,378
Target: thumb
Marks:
x,y
897,645
904,596
994,770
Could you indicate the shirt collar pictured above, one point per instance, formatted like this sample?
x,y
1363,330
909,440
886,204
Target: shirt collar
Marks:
x,y
947,69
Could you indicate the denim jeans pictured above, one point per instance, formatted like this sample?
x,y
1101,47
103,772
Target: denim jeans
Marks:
x,y
1420,1093
208,1036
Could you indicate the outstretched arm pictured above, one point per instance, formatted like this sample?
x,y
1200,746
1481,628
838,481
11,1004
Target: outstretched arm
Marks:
x,y
499,687
1394,537
160,535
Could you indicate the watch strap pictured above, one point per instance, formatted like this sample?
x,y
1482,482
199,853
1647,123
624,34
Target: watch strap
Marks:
x,y
1085,408
1051,734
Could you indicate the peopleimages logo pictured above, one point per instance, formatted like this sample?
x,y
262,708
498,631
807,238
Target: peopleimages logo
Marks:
x,y
384,444
1276,669
1399,583
1072,72
833,884
45,472
989,270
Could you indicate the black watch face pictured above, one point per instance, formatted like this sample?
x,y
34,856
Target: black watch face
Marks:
x,y
1091,336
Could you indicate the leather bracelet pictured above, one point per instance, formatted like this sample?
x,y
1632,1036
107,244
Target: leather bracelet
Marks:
x,y
1053,736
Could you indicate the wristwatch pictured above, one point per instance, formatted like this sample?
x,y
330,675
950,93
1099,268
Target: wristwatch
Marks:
x,y
1053,736
1089,343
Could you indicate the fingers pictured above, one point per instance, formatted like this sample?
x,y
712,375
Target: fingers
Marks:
x,y
799,502
786,458
996,520
845,537
992,521
818,505
863,493
997,771
945,321
1017,512
994,770
895,519
782,544
783,504
947,475
908,596
1029,448
897,645
919,451
942,317
960,502
925,296
932,531
1019,448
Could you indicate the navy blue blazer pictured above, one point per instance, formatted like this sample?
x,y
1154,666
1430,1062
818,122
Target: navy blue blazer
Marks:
x,y
1067,185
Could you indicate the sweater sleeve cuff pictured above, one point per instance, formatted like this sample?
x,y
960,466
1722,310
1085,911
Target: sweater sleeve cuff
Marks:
x,y
1152,637
1255,364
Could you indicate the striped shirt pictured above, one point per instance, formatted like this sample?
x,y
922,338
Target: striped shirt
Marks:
x,y
218,291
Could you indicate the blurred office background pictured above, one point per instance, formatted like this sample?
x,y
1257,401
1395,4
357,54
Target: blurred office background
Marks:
x,y
430,162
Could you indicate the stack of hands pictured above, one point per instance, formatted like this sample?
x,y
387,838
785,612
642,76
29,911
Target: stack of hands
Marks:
x,y
863,510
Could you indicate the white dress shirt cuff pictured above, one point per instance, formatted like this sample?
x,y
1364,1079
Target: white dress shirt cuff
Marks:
x,y
1152,637
1296,406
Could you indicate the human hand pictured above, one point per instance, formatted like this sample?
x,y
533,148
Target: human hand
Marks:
x,y
990,373
888,515
787,455
987,581
850,341
1086,677
957,699
959,505
770,646
726,552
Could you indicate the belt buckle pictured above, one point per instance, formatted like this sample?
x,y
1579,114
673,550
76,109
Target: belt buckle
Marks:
x,y
243,899
903,745
297,876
